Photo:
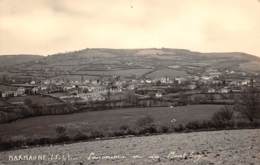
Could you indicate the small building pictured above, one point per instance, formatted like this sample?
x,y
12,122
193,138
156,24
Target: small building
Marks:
x,y
224,90
158,94
211,90
192,86
20,91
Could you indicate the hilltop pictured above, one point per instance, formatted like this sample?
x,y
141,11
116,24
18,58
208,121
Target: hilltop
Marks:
x,y
127,63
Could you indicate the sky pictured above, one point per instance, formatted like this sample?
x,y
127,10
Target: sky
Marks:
x,y
49,26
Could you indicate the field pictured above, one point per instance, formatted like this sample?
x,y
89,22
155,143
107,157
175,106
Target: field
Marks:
x,y
109,120
251,66
202,148
171,73
118,72
39,100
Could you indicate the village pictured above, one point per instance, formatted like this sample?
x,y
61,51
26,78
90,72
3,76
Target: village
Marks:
x,y
212,81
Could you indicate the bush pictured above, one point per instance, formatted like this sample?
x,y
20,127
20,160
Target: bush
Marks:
x,y
96,134
80,136
179,128
223,117
243,124
150,129
194,125
62,135
63,138
60,130
207,124
255,124
28,102
124,127
164,129
145,121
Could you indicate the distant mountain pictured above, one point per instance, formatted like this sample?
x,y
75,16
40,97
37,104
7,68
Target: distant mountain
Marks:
x,y
129,63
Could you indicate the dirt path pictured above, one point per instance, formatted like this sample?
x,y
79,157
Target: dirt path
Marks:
x,y
238,147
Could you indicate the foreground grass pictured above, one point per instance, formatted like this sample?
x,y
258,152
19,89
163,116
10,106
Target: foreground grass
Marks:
x,y
215,147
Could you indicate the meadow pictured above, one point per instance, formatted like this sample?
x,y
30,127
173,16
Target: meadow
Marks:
x,y
105,121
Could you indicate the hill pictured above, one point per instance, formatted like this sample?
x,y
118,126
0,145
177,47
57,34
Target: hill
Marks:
x,y
10,60
128,63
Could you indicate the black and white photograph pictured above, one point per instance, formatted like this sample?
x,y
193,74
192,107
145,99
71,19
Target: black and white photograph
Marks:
x,y
129,82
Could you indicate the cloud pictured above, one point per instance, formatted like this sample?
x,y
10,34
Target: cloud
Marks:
x,y
50,26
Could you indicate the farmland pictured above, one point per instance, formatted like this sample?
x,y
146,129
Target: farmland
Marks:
x,y
109,120
215,147
38,100
167,72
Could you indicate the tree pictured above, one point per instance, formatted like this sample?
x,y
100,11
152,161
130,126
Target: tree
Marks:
x,y
248,103
28,102
131,98
225,115
60,130
183,98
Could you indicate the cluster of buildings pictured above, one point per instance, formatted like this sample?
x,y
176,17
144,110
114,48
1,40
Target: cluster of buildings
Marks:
x,y
211,81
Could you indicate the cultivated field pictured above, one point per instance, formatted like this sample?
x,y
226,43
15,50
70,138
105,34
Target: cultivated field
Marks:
x,y
171,73
38,100
105,121
238,147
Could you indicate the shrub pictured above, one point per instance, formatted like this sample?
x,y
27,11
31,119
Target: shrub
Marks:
x,y
28,102
63,138
145,121
194,125
124,127
248,103
149,129
179,128
62,135
80,136
164,129
255,124
207,124
242,124
60,130
119,133
223,117
96,134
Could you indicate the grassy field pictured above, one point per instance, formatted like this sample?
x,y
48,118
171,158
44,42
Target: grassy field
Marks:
x,y
109,120
123,73
167,72
39,100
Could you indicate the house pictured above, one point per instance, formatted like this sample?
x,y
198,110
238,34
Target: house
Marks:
x,y
35,90
206,78
91,96
131,87
180,80
148,81
32,82
192,86
46,82
224,90
20,91
245,82
158,95
211,90
165,80
8,93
